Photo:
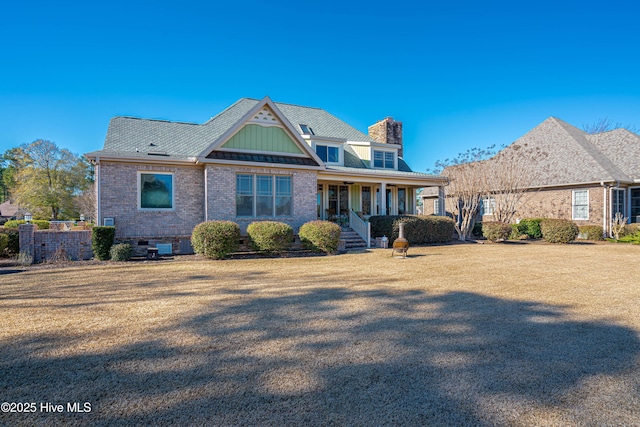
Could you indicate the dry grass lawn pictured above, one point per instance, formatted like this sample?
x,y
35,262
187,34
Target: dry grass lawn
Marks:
x,y
488,335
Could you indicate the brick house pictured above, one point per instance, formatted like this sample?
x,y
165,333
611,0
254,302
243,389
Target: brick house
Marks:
x,y
256,160
586,178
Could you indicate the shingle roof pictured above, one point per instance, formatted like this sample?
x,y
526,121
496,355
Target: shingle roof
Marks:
x,y
561,154
146,139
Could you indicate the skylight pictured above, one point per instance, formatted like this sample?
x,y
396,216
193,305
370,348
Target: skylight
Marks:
x,y
306,130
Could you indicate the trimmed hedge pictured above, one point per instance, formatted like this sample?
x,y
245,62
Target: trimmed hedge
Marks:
x,y
4,242
494,230
121,252
215,239
630,229
320,236
529,227
590,232
270,236
101,241
42,224
558,230
13,244
417,229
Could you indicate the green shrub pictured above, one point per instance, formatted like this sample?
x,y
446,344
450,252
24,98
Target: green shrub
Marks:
x,y
13,242
631,238
4,242
382,225
494,230
42,224
438,229
320,236
590,232
630,229
215,239
476,231
121,252
417,229
101,241
531,227
270,236
558,230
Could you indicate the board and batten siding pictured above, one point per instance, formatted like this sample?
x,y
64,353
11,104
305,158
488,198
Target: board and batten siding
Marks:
x,y
263,138
364,152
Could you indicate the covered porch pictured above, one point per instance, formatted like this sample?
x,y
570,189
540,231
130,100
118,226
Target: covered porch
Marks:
x,y
336,199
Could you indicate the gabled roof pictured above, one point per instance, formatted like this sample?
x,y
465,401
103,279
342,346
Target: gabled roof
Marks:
x,y
158,140
561,154
184,140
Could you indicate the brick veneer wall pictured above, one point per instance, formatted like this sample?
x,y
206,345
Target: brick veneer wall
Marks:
x,y
119,200
47,245
550,203
557,203
221,201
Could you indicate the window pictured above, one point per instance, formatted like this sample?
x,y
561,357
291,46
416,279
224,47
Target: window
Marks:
x,y
402,201
436,207
383,159
306,130
328,154
366,200
155,191
635,205
263,195
580,204
488,206
244,195
618,202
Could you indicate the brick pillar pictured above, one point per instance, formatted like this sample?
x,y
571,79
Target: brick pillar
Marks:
x,y
27,239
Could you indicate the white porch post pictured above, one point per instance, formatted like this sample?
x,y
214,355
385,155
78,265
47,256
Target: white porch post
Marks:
x,y
383,198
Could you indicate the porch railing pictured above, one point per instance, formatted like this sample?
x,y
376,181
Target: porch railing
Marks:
x,y
360,226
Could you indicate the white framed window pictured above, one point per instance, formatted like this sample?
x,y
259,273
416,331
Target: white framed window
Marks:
x,y
328,153
580,204
384,159
436,207
156,191
488,206
263,195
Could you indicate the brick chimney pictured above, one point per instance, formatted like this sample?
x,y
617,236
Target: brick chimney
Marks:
x,y
387,131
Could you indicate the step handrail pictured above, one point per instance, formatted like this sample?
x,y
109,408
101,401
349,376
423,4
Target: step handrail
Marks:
x,y
360,226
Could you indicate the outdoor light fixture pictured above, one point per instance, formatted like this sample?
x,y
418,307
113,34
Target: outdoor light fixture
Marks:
x,y
27,217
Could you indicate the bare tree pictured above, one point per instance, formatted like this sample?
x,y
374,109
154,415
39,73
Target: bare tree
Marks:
x,y
463,195
510,179
606,125
86,203
506,178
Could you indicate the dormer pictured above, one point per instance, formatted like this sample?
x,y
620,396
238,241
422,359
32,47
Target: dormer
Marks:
x,y
330,150
377,155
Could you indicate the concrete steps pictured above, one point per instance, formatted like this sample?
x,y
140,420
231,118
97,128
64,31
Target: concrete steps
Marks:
x,y
352,239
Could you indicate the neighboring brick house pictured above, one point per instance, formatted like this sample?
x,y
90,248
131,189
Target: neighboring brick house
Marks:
x,y
583,177
256,160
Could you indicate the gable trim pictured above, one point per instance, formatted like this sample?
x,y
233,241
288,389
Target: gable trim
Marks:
x,y
248,119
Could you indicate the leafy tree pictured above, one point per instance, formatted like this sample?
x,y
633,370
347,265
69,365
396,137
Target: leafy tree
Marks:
x,y
45,178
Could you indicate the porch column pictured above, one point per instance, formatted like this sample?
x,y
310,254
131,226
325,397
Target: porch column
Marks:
x,y
383,198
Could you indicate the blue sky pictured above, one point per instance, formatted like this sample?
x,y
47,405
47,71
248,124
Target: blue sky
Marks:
x,y
458,74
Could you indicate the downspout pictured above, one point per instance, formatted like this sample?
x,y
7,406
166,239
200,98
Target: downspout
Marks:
x,y
206,195
98,192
